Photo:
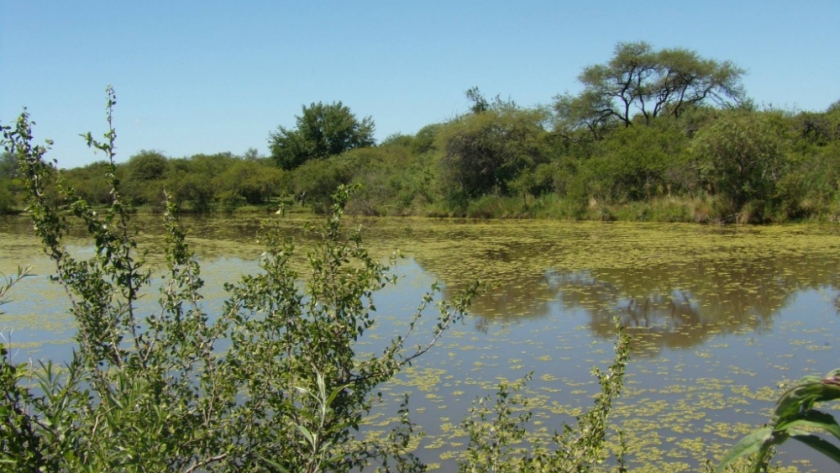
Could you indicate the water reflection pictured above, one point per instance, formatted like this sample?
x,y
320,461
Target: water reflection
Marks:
x,y
716,313
664,305
673,285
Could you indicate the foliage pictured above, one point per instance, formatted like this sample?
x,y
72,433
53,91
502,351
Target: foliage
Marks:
x,y
90,182
272,383
742,157
251,181
633,163
794,417
586,112
322,130
639,80
144,177
648,126
495,432
424,140
314,182
10,184
18,440
393,180
481,153
7,198
196,180
480,104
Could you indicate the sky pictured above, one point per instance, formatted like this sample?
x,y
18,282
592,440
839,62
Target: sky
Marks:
x,y
213,76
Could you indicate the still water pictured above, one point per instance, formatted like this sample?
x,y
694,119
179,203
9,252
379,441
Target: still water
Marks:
x,y
721,318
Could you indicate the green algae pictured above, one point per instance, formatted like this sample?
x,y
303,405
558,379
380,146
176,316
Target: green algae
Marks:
x,y
715,313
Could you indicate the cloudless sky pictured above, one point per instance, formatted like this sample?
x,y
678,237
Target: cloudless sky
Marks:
x,y
212,76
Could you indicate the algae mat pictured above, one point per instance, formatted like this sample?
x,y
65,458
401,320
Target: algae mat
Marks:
x,y
721,318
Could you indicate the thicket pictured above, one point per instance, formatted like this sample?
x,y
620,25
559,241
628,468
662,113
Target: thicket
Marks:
x,y
655,135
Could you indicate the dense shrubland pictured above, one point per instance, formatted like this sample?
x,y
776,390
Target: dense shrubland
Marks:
x,y
654,135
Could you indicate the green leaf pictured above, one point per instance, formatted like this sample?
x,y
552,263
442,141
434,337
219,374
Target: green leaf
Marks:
x,y
821,445
813,419
275,465
306,433
748,445
801,395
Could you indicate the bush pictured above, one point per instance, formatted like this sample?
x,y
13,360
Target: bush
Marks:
x,y
742,156
315,181
273,383
483,153
7,199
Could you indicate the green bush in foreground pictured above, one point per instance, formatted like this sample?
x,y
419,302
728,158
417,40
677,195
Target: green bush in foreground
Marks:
x,y
272,383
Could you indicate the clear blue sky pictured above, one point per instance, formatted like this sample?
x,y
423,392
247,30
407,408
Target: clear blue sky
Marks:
x,y
211,76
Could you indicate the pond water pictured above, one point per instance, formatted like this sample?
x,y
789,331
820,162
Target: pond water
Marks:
x,y
720,317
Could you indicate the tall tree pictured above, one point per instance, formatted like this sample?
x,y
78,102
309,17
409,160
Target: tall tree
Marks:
x,y
322,130
639,81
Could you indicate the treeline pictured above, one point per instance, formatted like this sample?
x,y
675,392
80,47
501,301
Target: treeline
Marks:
x,y
661,135
200,183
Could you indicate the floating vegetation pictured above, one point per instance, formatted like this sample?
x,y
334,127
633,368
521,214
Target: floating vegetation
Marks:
x,y
718,316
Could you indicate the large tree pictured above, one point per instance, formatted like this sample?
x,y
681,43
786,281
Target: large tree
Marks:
x,y
639,81
322,130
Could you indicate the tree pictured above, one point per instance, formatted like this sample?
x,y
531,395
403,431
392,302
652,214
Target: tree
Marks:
x,y
8,166
249,180
632,163
322,131
145,173
195,179
742,156
9,175
89,182
483,152
315,181
641,81
424,139
480,104
147,166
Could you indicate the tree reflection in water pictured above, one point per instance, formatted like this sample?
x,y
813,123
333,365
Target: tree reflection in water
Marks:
x,y
663,306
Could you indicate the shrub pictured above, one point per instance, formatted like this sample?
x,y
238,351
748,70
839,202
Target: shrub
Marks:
x,y
272,383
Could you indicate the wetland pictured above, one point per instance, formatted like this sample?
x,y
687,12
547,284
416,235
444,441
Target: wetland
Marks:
x,y
720,317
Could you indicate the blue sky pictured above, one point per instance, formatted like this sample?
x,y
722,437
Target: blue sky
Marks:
x,y
211,76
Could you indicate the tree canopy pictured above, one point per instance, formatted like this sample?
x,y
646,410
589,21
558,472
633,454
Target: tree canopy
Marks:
x,y
653,134
483,151
322,130
641,82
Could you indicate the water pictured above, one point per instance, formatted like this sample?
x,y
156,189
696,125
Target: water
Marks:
x,y
721,317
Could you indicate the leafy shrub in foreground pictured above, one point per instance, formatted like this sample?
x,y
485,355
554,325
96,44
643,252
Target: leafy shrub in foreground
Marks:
x,y
273,383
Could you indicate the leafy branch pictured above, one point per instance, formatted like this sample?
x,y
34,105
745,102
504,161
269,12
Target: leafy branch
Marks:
x,y
794,418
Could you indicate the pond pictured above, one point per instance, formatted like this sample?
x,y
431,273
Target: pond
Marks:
x,y
721,318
